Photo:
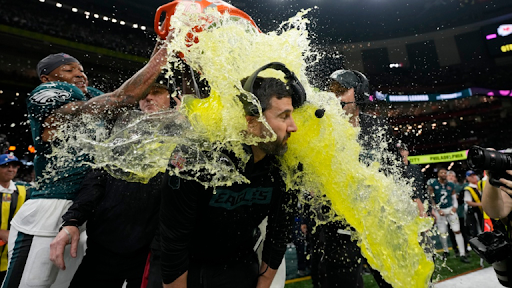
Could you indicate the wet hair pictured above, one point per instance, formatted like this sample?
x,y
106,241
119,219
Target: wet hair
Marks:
x,y
340,88
267,88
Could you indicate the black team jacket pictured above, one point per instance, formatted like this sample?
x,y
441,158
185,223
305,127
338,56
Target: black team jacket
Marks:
x,y
121,216
206,228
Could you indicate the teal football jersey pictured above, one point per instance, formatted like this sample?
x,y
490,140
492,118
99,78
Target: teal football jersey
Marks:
x,y
442,193
56,178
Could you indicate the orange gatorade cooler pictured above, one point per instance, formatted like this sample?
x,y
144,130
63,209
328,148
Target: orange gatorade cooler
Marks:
x,y
195,6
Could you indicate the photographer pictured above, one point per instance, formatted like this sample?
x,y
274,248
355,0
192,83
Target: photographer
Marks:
x,y
495,247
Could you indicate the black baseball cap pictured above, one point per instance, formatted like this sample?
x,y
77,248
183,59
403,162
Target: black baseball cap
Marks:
x,y
53,61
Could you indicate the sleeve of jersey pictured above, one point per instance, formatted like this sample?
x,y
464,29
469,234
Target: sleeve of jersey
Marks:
x,y
90,194
279,229
177,217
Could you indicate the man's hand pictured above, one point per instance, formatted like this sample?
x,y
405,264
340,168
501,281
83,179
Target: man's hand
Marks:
x,y
267,275
178,98
507,184
441,213
4,235
59,244
180,282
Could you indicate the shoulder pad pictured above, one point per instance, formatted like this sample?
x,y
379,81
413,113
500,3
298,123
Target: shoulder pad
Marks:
x,y
94,92
53,92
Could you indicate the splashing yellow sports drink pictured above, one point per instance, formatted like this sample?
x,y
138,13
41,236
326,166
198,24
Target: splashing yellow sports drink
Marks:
x,y
378,207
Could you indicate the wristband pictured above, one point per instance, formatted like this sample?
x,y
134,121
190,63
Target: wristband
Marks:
x,y
70,223
67,232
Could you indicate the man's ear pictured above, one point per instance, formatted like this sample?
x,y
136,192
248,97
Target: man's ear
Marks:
x,y
252,124
251,120
44,78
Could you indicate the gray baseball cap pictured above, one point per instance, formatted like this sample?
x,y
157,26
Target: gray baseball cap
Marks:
x,y
53,61
346,78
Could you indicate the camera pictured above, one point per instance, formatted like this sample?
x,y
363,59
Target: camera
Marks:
x,y
491,246
495,162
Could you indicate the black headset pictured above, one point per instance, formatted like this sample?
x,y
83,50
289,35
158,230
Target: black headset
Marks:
x,y
297,90
362,89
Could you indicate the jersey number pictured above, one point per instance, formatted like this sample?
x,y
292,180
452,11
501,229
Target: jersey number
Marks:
x,y
444,194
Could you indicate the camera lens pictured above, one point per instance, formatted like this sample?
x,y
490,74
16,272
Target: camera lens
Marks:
x,y
483,159
476,157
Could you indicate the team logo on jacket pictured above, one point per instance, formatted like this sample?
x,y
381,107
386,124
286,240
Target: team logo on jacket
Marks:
x,y
50,96
228,199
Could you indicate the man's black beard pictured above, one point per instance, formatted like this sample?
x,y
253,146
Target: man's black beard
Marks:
x,y
273,148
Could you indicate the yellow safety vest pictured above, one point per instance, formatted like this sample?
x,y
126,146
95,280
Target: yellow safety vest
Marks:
x,y
476,197
481,185
7,215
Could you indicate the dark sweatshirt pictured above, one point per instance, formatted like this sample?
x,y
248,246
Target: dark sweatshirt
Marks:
x,y
121,216
206,228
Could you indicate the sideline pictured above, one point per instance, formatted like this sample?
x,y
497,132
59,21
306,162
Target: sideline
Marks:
x,y
294,280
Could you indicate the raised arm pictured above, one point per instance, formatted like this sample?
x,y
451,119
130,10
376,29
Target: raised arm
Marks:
x,y
128,94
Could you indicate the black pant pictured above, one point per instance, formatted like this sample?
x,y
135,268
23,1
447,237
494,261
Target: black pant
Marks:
x,y
474,222
302,253
335,259
101,268
236,275
155,274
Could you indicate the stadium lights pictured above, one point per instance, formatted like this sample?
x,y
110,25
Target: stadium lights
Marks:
x,y
97,16
12,148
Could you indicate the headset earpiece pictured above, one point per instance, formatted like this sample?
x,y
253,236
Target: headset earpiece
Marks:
x,y
362,89
297,90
